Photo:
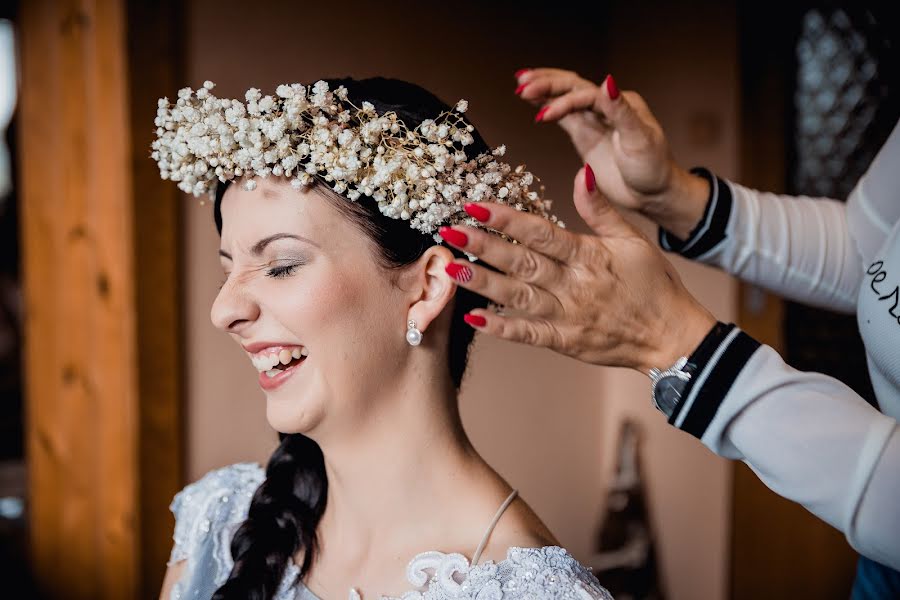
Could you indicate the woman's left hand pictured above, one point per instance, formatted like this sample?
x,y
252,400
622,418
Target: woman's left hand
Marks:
x,y
611,299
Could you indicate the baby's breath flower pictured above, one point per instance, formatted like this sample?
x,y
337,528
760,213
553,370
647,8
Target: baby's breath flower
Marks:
x,y
421,175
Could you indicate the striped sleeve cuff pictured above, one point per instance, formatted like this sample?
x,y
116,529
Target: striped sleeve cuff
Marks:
x,y
710,231
718,360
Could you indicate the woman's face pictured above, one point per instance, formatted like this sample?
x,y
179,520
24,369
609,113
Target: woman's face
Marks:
x,y
303,281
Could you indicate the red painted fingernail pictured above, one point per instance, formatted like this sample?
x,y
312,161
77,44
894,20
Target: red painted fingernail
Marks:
x,y
520,88
589,180
459,272
521,72
457,238
611,88
474,320
540,115
478,212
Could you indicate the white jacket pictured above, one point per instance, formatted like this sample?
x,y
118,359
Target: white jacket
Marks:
x,y
809,437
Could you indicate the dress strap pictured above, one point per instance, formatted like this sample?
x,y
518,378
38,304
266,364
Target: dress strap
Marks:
x,y
493,524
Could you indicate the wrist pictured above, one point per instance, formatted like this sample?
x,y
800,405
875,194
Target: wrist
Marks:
x,y
681,206
679,337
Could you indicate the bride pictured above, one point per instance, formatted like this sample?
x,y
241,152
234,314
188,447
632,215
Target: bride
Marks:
x,y
329,201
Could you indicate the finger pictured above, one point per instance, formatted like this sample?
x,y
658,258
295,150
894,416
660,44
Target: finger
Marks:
x,y
576,100
534,332
542,87
595,209
534,231
503,289
517,260
619,111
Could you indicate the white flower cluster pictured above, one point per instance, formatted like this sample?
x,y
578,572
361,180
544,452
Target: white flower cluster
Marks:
x,y
420,175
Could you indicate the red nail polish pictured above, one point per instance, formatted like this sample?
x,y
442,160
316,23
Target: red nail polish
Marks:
x,y
611,88
589,180
459,272
540,115
521,72
520,88
457,238
478,212
475,320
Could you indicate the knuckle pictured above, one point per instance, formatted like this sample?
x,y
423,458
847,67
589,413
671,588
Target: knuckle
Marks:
x,y
544,235
523,296
530,334
527,266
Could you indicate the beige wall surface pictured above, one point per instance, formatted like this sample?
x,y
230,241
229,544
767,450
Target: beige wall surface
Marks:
x,y
548,424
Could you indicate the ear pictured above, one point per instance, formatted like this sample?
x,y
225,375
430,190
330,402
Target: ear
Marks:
x,y
432,288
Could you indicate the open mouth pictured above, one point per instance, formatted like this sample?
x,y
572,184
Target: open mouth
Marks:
x,y
276,360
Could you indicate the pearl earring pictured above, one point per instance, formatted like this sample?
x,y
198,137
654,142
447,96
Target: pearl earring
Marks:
x,y
413,335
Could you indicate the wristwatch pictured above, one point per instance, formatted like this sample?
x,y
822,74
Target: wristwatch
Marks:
x,y
668,386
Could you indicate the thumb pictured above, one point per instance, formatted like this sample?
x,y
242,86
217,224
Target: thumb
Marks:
x,y
620,113
595,209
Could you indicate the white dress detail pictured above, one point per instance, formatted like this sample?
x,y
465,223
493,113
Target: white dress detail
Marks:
x,y
210,510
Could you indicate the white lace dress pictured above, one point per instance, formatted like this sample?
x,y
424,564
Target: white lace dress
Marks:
x,y
209,511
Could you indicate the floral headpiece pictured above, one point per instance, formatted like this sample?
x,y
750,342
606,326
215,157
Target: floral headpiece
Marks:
x,y
419,175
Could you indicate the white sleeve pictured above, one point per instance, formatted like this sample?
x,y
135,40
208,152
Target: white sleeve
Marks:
x,y
810,250
807,436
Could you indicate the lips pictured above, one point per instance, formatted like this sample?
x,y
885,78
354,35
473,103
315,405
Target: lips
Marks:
x,y
275,362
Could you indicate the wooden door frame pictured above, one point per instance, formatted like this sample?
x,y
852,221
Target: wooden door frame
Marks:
x,y
100,235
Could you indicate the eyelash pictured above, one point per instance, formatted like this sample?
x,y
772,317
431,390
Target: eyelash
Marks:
x,y
274,272
284,271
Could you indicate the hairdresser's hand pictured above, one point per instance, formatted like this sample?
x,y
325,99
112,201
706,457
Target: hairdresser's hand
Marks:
x,y
610,299
616,134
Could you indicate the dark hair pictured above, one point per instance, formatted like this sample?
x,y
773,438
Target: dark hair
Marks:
x,y
287,507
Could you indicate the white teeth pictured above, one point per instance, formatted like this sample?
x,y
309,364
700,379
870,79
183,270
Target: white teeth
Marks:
x,y
304,352
295,353
272,373
285,356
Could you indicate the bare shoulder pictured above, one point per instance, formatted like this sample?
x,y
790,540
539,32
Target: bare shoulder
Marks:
x,y
519,527
173,574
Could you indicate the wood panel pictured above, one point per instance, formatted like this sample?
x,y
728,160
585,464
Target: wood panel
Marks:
x,y
155,59
103,423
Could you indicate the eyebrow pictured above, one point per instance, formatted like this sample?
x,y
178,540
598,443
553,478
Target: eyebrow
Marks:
x,y
259,246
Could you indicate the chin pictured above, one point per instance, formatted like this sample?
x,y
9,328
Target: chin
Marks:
x,y
289,415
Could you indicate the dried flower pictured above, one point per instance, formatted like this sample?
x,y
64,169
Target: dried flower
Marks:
x,y
421,175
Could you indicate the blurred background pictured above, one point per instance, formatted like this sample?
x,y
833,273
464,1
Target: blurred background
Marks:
x,y
116,390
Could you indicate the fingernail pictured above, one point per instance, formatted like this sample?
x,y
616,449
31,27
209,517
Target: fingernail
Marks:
x,y
457,238
520,88
589,180
521,72
474,320
478,212
611,88
540,115
459,272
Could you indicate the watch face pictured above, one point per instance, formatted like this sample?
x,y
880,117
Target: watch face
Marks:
x,y
668,393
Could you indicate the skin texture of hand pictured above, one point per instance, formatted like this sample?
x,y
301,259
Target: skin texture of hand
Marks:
x,y
611,299
616,134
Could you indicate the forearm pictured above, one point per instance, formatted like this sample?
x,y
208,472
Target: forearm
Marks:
x,y
798,247
807,436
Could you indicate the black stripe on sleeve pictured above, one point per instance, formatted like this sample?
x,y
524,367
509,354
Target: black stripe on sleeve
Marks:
x,y
710,231
718,383
700,358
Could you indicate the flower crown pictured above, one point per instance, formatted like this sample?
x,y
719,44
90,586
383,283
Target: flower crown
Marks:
x,y
421,175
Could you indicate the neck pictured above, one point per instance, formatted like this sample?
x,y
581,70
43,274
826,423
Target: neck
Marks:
x,y
405,475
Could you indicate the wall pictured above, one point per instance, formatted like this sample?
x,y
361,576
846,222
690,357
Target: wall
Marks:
x,y
550,427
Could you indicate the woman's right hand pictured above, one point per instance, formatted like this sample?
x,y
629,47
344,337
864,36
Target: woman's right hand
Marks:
x,y
621,139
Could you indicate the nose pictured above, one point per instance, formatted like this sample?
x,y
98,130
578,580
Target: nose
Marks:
x,y
234,308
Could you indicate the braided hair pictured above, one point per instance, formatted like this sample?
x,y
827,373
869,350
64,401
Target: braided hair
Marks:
x,y
286,509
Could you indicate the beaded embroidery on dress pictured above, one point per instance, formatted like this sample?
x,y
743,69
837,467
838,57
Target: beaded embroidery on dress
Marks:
x,y
209,511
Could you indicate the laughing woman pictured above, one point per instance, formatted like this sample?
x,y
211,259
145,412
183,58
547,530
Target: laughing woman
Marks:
x,y
328,200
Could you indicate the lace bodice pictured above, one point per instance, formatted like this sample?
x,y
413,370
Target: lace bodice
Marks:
x,y
209,511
